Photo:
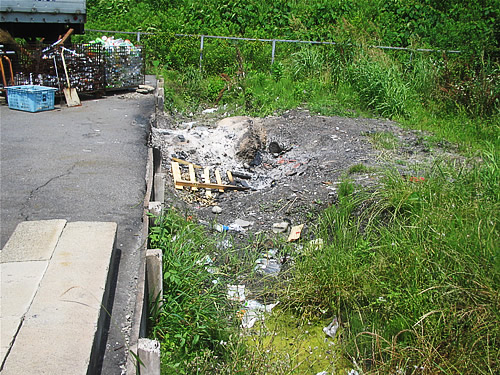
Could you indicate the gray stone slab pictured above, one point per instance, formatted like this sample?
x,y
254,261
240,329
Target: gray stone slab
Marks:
x,y
8,327
32,240
58,333
19,283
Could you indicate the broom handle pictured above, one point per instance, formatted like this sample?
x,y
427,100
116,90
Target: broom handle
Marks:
x,y
65,71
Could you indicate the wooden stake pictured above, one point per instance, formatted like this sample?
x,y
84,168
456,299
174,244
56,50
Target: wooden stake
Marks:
x,y
202,185
180,161
206,175
192,176
218,178
176,172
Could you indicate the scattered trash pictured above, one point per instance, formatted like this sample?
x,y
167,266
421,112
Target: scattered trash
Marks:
x,y
295,232
236,228
216,210
244,175
212,270
257,160
223,244
243,223
253,311
205,261
145,89
323,373
268,266
221,228
315,245
275,148
353,372
280,227
209,110
236,293
416,179
331,329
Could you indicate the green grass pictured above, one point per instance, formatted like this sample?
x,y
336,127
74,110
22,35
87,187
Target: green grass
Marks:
x,y
194,315
383,140
413,270
360,168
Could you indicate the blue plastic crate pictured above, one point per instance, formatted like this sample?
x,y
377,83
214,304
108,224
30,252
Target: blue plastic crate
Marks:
x,y
31,98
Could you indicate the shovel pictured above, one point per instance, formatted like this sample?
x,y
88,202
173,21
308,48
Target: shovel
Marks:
x,y
70,94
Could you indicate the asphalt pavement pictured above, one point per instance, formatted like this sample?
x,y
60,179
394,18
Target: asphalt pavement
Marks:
x,y
83,163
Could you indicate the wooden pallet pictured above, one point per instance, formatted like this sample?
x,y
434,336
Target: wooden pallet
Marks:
x,y
194,184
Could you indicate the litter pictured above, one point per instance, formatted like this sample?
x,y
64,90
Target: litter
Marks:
x,y
243,223
280,227
295,232
209,110
206,261
331,329
225,228
236,293
221,228
253,311
180,183
223,244
314,245
268,266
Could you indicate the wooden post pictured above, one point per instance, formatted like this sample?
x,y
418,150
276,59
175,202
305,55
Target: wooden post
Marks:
x,y
206,176
154,208
154,274
159,181
192,176
148,352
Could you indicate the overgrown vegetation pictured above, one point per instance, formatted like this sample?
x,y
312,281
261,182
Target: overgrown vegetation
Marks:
x,y
411,269
192,314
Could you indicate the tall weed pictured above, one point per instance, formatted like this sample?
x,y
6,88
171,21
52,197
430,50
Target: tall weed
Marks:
x,y
194,313
307,62
380,85
412,270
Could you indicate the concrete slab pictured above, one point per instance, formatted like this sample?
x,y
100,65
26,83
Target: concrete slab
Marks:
x,y
59,332
32,240
8,327
19,283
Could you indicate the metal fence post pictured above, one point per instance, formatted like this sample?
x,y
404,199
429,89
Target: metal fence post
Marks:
x,y
138,36
273,51
201,49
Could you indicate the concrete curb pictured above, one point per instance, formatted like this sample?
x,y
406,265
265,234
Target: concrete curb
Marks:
x,y
154,190
62,330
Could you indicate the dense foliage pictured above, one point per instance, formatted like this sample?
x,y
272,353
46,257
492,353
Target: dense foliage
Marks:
x,y
471,26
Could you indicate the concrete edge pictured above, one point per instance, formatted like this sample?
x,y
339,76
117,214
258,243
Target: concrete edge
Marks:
x,y
140,311
104,319
140,318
